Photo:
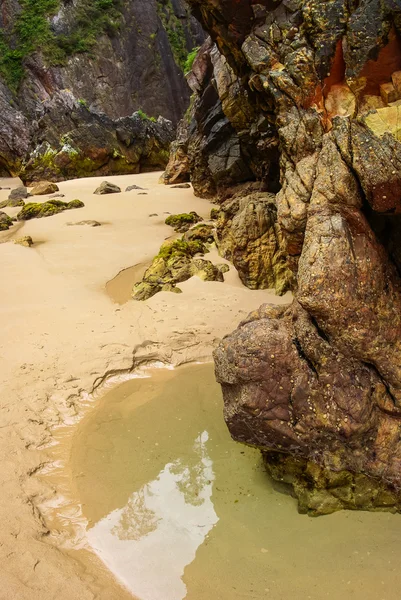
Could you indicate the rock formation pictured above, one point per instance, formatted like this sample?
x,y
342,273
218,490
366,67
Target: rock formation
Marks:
x,y
316,386
65,65
177,261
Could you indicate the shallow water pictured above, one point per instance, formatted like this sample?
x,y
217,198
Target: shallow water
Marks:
x,y
177,510
119,289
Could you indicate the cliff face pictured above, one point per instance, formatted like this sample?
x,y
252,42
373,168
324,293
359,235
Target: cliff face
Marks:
x,y
317,387
108,56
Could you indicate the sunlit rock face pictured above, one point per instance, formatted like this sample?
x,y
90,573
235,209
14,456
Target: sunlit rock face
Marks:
x,y
318,387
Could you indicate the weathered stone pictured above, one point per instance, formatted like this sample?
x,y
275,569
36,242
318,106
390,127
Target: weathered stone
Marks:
x,y
176,262
18,193
183,221
89,222
388,93
181,186
5,221
317,386
12,203
133,187
203,232
107,188
44,188
26,241
34,210
248,235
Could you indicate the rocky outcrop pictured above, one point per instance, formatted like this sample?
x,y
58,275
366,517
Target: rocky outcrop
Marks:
x,y
318,386
105,57
177,261
249,236
76,142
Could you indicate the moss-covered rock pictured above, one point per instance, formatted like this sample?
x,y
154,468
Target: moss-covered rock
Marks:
x,y
321,491
5,221
183,221
75,204
36,210
176,262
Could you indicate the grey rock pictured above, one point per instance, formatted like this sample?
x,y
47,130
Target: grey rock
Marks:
x,y
107,188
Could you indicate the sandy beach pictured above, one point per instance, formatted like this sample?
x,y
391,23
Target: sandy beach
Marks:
x,y
64,329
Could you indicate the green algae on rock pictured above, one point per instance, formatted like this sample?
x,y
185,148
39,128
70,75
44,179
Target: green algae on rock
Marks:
x,y
175,263
36,210
321,491
183,221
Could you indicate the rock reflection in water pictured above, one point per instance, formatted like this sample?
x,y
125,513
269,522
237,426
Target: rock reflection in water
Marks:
x,y
155,536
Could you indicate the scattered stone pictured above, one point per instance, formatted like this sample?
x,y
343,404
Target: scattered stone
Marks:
x,y
18,193
214,214
57,195
142,194
107,188
182,222
43,188
181,186
12,203
153,215
5,221
26,241
34,210
88,222
134,187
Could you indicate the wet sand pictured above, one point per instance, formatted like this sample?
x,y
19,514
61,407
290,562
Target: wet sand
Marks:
x,y
62,334
177,510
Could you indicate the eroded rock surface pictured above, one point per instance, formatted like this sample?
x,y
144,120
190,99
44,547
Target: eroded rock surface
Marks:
x,y
63,64
317,386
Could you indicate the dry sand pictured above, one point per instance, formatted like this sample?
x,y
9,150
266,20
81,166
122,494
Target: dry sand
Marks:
x,y
62,334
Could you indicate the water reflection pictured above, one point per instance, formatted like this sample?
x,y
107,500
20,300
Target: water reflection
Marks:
x,y
155,536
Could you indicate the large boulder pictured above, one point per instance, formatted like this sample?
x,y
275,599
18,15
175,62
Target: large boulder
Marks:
x,y
316,386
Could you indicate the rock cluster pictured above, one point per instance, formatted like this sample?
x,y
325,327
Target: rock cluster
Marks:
x,y
176,262
303,102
